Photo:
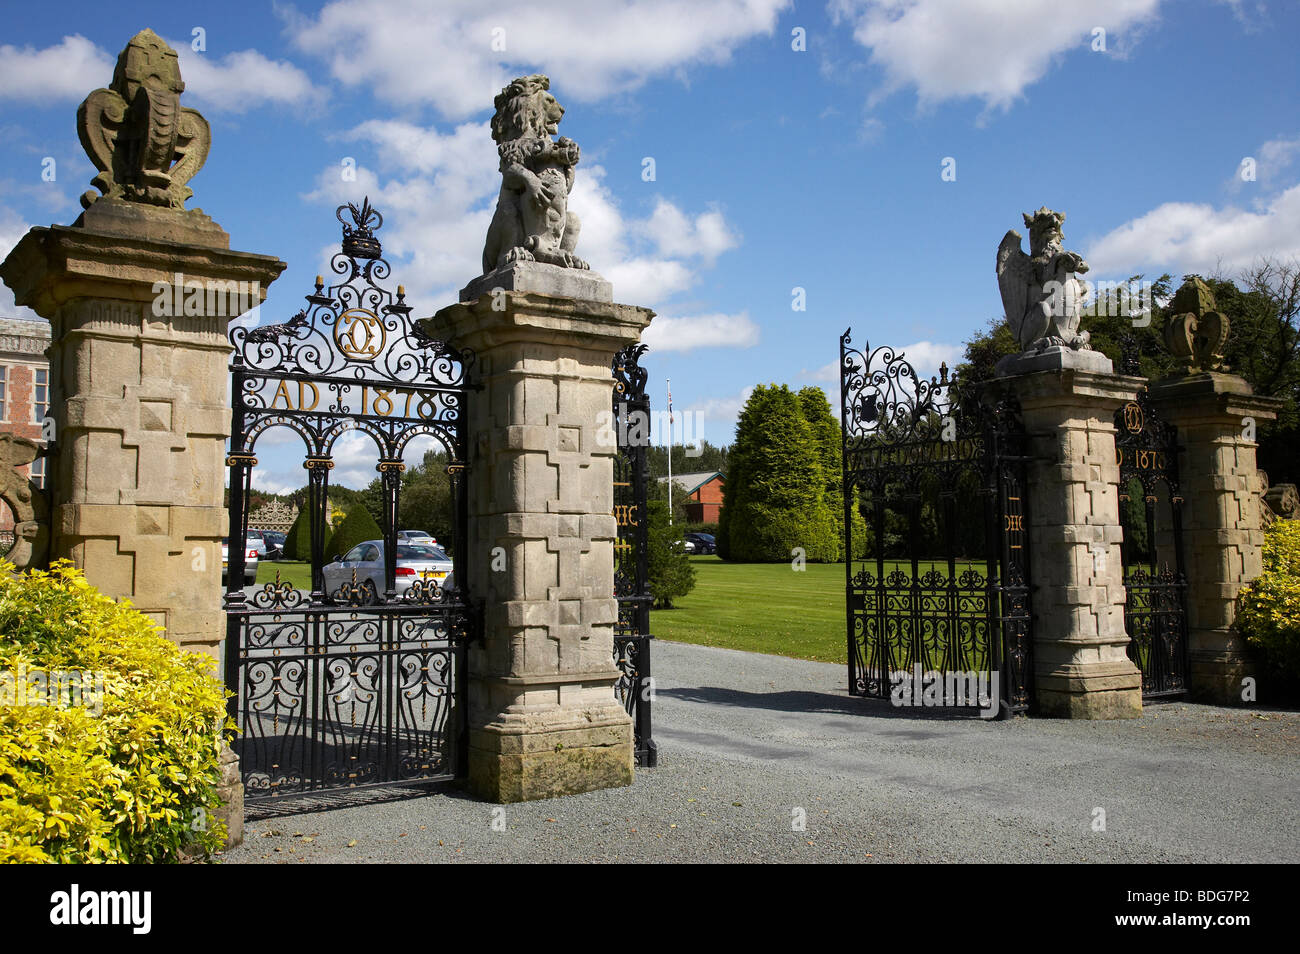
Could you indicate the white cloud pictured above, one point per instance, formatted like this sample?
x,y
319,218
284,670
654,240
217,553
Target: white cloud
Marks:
x,y
12,228
415,53
703,331
989,49
66,71
1270,161
75,66
676,235
1186,237
241,80
439,201
924,356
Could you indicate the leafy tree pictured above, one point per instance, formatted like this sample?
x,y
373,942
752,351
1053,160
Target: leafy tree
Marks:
x,y
776,488
357,527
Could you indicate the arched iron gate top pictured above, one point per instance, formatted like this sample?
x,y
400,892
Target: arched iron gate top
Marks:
x,y
360,681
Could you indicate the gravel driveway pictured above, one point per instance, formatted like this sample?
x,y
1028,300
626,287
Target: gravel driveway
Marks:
x,y
751,744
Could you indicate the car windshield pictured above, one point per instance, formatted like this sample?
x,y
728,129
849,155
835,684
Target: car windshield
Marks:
x,y
420,553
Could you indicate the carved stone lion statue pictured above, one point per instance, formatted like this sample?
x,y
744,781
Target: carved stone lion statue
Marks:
x,y
1042,298
532,221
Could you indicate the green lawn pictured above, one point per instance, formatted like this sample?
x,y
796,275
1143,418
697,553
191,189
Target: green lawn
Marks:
x,y
291,571
762,608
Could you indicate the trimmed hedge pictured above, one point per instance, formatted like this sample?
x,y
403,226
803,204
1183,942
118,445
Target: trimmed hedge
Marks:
x,y
126,774
1268,609
357,527
297,542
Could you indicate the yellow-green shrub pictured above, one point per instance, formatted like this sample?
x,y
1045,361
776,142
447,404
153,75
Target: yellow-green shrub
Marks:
x,y
1268,610
135,782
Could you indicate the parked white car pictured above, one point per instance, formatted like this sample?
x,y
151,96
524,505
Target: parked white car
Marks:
x,y
425,563
418,537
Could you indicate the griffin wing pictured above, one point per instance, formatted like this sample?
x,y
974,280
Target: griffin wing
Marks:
x,y
1014,279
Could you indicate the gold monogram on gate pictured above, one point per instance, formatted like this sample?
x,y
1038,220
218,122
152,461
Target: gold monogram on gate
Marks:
x,y
1133,417
359,334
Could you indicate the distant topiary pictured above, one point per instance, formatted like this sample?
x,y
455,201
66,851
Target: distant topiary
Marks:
x,y
297,542
357,527
776,506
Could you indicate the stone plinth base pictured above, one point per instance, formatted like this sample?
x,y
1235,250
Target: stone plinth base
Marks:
x,y
1055,358
1218,678
1096,691
560,752
231,793
542,279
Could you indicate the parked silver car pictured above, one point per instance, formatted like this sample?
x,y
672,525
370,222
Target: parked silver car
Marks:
x,y
250,561
426,564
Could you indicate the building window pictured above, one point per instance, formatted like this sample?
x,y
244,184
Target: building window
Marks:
x,y
41,395
38,472
4,386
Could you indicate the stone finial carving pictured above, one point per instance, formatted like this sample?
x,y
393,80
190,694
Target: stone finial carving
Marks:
x,y
1043,300
145,145
532,222
31,516
1196,331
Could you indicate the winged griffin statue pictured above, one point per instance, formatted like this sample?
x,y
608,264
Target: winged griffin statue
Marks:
x,y
532,221
145,145
1042,298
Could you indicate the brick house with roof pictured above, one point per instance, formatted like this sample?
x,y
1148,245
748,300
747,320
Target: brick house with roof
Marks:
x,y
704,492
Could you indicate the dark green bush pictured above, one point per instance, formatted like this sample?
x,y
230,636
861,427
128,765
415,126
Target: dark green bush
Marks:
x,y
670,571
357,527
297,542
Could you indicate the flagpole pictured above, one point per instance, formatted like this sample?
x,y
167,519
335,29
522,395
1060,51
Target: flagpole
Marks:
x,y
670,451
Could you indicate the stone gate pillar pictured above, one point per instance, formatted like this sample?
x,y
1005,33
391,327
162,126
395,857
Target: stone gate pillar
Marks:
x,y
1216,415
139,292
1222,529
1081,664
543,718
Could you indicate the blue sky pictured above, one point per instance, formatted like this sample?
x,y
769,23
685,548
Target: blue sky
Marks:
x,y
775,168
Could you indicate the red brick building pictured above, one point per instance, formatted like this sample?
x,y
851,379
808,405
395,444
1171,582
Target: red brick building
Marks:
x,y
703,491
24,394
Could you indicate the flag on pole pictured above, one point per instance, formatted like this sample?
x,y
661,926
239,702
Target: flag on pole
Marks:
x,y
670,401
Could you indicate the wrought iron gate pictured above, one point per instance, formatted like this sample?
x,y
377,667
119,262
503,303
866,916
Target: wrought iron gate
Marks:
x,y
1155,581
936,544
360,681
632,637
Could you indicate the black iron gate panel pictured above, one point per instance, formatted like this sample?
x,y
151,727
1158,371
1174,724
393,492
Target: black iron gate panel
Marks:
x,y
1151,516
359,681
631,420
936,541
